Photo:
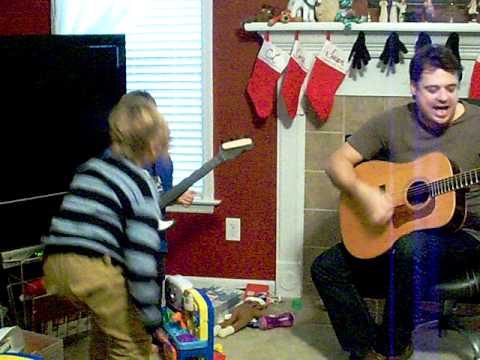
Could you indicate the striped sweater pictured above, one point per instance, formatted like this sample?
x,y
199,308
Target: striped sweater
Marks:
x,y
112,208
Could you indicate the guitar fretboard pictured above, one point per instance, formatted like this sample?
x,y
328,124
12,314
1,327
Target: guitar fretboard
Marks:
x,y
456,182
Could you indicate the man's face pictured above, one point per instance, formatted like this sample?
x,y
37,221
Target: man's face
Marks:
x,y
436,95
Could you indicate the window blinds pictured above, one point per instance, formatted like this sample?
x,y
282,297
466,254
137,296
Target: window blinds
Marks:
x,y
165,56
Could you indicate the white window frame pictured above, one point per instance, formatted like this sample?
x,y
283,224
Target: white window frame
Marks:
x,y
208,202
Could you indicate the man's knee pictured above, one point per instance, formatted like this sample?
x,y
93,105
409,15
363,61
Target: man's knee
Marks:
x,y
408,246
324,265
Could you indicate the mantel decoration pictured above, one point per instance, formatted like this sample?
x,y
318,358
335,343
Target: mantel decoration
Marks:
x,y
315,56
359,11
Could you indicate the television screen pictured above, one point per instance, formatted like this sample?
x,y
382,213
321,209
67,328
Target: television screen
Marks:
x,y
56,92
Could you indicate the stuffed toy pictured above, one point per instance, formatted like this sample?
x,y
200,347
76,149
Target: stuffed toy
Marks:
x,y
285,17
266,13
251,308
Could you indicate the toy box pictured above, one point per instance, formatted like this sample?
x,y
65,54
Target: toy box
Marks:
x,y
17,340
66,320
223,300
48,347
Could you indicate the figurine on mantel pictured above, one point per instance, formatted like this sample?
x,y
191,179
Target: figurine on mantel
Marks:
x,y
402,9
429,11
303,8
393,18
393,12
347,14
326,10
383,4
472,10
266,13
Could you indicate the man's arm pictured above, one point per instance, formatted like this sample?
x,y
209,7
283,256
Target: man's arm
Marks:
x,y
340,169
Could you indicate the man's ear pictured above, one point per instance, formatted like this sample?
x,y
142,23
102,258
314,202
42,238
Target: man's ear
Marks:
x,y
413,88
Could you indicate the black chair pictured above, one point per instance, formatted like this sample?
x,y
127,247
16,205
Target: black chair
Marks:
x,y
465,288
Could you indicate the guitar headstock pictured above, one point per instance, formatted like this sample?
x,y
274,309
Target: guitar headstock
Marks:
x,y
231,149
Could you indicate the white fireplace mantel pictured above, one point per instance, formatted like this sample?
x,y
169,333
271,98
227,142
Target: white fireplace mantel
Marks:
x,y
313,34
371,82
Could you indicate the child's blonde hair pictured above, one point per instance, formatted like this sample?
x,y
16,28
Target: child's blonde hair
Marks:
x,y
135,125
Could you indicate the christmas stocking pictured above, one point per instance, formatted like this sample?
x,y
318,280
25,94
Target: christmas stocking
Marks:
x,y
475,81
293,80
270,63
327,74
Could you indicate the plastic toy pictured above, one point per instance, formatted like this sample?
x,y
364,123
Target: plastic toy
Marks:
x,y
273,321
188,323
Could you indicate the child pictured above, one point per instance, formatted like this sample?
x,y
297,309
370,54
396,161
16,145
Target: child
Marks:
x,y
105,235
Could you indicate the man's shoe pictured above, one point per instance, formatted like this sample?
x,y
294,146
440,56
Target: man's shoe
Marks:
x,y
407,354
373,355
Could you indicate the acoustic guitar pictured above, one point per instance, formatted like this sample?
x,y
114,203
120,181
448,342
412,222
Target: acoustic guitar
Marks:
x,y
427,193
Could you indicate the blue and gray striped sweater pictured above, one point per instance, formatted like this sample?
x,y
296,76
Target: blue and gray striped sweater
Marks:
x,y
112,208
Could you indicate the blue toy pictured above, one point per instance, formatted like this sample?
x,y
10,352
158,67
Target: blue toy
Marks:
x,y
188,323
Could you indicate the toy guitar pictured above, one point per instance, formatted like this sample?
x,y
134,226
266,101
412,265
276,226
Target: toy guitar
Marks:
x,y
228,150
426,194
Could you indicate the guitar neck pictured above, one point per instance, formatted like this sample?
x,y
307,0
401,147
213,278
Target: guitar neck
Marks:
x,y
171,195
456,182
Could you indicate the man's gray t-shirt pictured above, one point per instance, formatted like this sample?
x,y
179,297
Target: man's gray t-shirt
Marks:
x,y
397,136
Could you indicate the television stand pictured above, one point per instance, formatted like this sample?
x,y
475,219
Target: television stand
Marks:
x,y
19,267
21,256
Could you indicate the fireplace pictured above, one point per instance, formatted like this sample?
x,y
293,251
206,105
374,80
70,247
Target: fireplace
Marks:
x,y
307,218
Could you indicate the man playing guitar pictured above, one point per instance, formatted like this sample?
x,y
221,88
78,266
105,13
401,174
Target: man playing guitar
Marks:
x,y
412,261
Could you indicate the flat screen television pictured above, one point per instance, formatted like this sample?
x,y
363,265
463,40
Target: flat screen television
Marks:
x,y
56,92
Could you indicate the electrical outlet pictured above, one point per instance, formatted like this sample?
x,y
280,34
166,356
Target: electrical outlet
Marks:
x,y
232,229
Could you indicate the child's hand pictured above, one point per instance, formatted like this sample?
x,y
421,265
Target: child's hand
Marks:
x,y
186,199
160,335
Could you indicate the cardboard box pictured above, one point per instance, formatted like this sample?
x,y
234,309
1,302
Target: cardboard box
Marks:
x,y
48,347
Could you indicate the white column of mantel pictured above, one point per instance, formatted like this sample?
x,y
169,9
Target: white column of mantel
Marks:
x,y
371,82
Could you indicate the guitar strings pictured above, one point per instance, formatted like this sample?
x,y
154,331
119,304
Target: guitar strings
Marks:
x,y
418,189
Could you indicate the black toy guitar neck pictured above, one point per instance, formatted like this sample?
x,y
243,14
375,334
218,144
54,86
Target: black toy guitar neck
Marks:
x,y
228,151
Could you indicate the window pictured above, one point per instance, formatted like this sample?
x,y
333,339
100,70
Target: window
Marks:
x,y
169,55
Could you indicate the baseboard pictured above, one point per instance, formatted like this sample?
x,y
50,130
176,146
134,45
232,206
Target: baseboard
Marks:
x,y
204,282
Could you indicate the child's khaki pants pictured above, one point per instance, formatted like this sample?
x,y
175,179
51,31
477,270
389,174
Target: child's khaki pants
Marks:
x,y
117,331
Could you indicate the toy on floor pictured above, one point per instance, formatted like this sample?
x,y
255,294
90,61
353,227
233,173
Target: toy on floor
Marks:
x,y
188,320
267,322
251,308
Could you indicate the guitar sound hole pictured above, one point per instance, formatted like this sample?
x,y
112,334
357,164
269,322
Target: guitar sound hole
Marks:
x,y
418,193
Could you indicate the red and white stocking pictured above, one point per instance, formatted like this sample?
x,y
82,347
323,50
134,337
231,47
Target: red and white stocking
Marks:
x,y
327,74
293,79
270,63
475,81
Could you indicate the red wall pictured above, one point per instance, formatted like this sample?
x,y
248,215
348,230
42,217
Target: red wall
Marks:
x,y
22,17
246,186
